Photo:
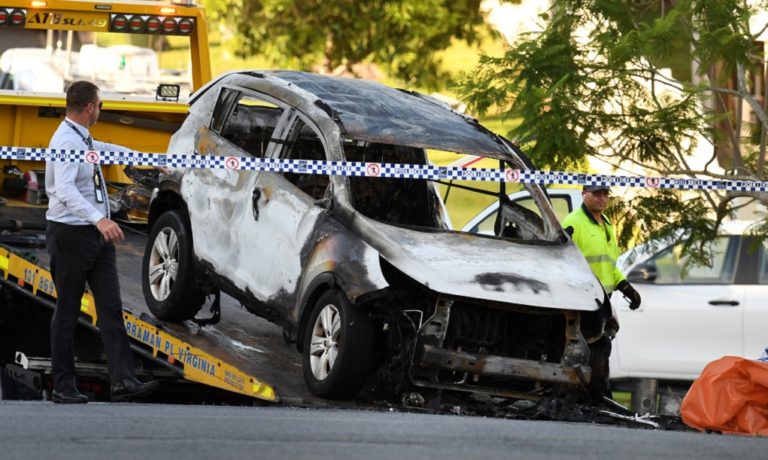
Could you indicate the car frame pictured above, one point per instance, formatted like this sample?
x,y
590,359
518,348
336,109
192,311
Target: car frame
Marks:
x,y
364,273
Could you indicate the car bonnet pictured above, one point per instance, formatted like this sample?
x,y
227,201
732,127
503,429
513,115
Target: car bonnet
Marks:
x,y
501,270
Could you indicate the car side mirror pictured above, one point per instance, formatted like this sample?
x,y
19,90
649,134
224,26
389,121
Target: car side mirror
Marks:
x,y
643,273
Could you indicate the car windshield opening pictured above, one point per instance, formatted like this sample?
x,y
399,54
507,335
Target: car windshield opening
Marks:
x,y
447,204
484,207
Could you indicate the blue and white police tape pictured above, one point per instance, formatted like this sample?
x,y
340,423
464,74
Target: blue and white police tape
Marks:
x,y
368,169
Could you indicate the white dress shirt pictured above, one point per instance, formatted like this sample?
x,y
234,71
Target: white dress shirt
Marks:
x,y
69,186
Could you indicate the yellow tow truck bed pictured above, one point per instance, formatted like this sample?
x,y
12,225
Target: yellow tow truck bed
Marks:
x,y
242,353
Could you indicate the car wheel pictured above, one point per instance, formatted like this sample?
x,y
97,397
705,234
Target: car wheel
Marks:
x,y
167,270
338,343
600,384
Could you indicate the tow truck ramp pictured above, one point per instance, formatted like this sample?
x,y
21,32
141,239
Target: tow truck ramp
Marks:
x,y
167,347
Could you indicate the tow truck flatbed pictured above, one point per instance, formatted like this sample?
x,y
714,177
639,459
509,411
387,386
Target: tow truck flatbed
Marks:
x,y
241,353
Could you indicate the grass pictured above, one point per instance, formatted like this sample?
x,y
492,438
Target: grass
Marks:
x,y
461,58
623,397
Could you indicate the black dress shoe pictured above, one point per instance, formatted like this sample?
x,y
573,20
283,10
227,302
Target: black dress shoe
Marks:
x,y
69,397
130,388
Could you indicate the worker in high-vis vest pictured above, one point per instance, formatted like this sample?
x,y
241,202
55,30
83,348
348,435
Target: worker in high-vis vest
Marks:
x,y
596,238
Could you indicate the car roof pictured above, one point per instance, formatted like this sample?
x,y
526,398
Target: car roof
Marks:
x,y
371,111
735,227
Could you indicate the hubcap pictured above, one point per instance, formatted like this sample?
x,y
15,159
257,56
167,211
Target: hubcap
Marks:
x,y
163,263
323,348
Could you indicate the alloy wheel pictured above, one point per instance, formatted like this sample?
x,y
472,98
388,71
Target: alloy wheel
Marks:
x,y
324,349
163,263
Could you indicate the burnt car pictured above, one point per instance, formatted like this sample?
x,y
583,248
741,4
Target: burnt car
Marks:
x,y
365,273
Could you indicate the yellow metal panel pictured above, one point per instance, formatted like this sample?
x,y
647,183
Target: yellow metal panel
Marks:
x,y
201,74
198,365
21,126
67,20
17,99
125,6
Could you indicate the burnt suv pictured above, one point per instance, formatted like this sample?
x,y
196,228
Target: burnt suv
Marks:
x,y
364,272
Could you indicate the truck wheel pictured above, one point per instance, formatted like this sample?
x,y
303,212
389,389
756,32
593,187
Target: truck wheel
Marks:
x,y
338,345
599,385
167,270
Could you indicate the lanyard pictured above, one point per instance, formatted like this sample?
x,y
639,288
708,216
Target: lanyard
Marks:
x,y
88,141
97,182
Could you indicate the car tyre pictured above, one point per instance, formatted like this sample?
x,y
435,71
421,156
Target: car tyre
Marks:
x,y
167,270
338,344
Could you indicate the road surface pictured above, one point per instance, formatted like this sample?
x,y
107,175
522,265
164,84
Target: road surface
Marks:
x,y
164,431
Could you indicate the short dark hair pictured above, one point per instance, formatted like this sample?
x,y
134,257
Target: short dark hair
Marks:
x,y
80,94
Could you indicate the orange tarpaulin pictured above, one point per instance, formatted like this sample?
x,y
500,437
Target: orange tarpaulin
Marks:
x,y
730,395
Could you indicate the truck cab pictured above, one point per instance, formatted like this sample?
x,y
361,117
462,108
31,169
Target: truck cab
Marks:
x,y
125,47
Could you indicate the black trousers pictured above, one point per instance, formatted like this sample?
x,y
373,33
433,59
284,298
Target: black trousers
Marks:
x,y
79,254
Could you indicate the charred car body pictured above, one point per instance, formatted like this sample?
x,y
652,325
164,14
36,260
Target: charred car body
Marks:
x,y
365,272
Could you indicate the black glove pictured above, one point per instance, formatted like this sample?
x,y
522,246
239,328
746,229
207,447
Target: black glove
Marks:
x,y
630,293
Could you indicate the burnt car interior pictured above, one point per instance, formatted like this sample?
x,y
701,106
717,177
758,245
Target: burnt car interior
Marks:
x,y
251,123
392,200
304,144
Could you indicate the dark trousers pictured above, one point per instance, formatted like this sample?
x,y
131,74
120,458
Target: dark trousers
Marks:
x,y
79,254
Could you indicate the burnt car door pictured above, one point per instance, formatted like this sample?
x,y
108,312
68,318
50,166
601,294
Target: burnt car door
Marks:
x,y
286,208
231,234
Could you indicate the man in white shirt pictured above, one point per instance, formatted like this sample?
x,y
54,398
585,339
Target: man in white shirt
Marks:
x,y
81,240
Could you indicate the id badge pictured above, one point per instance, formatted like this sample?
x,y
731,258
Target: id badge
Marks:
x,y
97,186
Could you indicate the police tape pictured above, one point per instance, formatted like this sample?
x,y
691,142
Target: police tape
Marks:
x,y
371,169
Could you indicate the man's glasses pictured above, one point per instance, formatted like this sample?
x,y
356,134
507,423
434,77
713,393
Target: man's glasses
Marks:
x,y
601,193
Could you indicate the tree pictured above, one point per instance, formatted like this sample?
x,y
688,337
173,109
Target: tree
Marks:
x,y
335,35
590,83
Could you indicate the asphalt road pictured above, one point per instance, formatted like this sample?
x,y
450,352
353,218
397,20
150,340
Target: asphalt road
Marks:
x,y
139,431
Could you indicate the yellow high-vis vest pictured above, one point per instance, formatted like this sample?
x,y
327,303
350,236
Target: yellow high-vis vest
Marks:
x,y
598,244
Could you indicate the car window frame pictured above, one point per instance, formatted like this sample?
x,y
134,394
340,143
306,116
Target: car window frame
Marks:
x,y
279,152
279,130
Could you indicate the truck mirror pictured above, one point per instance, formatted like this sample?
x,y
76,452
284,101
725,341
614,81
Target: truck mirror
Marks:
x,y
167,92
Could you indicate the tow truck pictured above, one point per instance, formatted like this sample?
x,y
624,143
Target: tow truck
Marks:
x,y
190,360
175,354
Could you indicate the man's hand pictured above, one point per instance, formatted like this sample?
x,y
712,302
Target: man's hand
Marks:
x,y
630,293
109,229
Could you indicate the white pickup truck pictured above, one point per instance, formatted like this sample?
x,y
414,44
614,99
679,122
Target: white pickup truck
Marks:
x,y
686,319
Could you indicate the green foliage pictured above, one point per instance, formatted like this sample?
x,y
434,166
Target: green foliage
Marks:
x,y
589,84
401,35
669,218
